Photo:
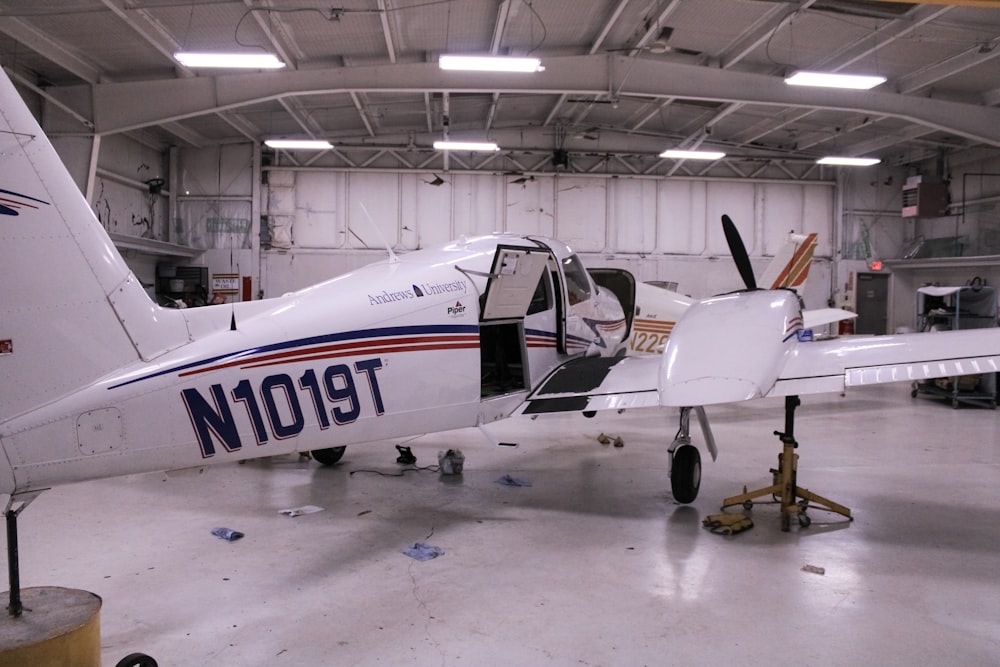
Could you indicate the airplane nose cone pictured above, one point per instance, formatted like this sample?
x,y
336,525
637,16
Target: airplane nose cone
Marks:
x,y
728,348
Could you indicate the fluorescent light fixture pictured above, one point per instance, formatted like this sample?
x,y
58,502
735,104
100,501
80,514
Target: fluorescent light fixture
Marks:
x,y
299,144
465,146
228,60
829,80
693,155
849,161
490,64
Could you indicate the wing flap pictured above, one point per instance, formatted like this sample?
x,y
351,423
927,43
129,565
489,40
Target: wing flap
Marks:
x,y
834,365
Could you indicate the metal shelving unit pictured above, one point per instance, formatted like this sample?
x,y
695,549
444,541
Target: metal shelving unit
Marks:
x,y
952,308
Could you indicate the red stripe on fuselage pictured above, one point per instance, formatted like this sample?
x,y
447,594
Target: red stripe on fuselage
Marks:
x,y
379,349
343,349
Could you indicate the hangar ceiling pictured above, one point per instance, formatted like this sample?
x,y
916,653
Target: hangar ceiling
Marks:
x,y
623,79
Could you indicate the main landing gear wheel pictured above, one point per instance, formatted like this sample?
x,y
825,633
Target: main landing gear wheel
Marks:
x,y
328,456
136,660
685,474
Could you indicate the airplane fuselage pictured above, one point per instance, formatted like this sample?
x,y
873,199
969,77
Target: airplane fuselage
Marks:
x,y
393,349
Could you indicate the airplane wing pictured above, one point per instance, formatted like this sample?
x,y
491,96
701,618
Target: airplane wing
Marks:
x,y
597,383
823,366
853,361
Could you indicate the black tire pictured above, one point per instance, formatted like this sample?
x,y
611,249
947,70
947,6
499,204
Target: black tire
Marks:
x,y
328,456
685,474
136,660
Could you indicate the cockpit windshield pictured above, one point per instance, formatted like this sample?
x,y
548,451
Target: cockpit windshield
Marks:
x,y
577,283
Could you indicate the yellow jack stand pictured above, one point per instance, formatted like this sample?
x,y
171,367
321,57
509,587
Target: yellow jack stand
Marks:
x,y
784,488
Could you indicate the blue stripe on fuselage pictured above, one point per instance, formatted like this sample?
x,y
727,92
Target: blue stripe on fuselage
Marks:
x,y
313,340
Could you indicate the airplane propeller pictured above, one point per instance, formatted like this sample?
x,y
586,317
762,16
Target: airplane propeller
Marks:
x,y
739,252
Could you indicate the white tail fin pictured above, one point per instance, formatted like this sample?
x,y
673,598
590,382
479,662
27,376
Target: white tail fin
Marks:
x,y
70,309
790,266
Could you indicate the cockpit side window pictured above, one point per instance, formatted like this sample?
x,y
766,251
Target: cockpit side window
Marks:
x,y
577,284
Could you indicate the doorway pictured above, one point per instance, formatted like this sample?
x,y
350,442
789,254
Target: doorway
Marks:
x,y
873,304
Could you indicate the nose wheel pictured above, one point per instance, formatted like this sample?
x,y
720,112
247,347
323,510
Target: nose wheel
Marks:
x,y
685,474
685,463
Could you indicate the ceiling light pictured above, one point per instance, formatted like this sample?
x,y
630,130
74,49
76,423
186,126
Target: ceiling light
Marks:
x,y
465,146
300,144
490,64
849,161
693,155
239,60
829,80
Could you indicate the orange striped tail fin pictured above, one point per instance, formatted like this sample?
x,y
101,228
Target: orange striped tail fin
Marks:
x,y
790,267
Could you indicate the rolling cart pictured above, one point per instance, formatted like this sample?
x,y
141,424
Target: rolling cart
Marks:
x,y
952,308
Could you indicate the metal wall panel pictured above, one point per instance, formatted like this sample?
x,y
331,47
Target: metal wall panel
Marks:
x,y
579,202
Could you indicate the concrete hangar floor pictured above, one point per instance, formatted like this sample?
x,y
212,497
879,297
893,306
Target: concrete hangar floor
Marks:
x,y
593,564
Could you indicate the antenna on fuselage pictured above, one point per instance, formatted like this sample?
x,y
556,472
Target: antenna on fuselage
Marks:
x,y
392,256
232,317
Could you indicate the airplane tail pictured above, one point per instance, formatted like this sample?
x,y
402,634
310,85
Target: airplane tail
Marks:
x,y
70,308
790,266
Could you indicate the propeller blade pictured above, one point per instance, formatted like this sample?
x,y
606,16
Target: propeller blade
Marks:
x,y
739,252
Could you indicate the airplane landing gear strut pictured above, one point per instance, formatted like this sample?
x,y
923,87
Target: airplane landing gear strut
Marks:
x,y
785,488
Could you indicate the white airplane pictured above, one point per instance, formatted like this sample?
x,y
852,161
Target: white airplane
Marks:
x,y
658,308
99,381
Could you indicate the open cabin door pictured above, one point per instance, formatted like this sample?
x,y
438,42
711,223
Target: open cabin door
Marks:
x,y
622,284
513,284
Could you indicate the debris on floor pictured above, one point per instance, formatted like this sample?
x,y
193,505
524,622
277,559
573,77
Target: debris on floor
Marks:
x,y
451,462
727,524
299,511
813,569
607,440
420,551
508,480
227,534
